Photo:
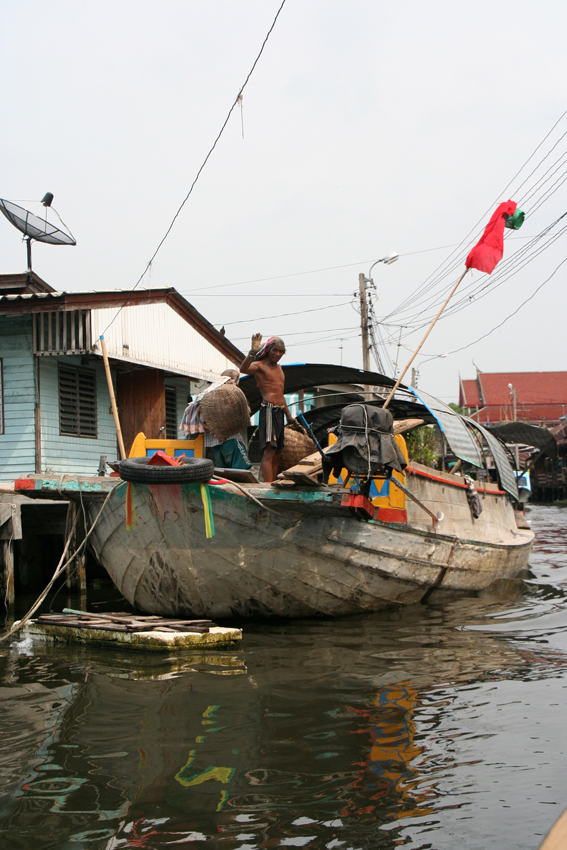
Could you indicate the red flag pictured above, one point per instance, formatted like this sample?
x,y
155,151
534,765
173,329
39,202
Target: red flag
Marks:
x,y
489,249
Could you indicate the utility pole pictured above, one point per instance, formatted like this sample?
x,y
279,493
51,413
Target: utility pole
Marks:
x,y
364,322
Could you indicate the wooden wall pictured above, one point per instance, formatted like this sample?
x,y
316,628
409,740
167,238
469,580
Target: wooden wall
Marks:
x,y
17,443
142,408
140,396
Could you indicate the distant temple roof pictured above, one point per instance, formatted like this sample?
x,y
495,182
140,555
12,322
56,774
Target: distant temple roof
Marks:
x,y
540,396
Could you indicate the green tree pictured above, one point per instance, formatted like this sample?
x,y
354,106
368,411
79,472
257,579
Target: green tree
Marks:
x,y
423,445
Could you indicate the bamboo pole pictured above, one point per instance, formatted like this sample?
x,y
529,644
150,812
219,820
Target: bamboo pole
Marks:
x,y
112,399
416,352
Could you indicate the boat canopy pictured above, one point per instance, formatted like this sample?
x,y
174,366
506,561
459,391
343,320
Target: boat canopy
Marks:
x,y
458,433
527,435
505,471
452,424
305,376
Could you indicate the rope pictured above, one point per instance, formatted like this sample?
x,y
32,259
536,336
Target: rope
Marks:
x,y
58,570
250,496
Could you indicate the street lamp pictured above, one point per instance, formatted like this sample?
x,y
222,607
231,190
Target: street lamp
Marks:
x,y
391,258
362,281
415,372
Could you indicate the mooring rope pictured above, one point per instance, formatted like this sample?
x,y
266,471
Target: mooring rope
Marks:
x,y
58,569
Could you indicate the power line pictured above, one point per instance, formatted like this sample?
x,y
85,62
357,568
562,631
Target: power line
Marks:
x,y
475,290
271,295
221,131
311,271
304,333
283,315
449,264
513,313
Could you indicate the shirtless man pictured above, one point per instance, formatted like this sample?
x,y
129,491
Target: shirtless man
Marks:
x,y
263,362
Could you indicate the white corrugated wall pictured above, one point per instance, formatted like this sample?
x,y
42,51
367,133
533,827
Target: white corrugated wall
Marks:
x,y
155,334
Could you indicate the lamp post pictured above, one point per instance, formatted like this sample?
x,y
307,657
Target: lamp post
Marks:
x,y
415,372
516,449
362,282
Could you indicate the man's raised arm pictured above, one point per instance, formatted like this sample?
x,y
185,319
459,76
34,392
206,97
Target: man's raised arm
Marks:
x,y
248,362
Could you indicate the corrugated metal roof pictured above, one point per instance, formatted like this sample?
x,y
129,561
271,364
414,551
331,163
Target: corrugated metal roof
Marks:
x,y
453,426
156,335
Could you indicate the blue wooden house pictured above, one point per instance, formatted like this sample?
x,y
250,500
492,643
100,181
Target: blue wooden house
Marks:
x,y
55,411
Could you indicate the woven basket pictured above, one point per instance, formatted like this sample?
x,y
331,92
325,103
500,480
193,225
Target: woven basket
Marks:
x,y
225,411
297,445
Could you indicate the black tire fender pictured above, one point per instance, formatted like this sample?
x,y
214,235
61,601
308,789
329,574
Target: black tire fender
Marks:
x,y
137,470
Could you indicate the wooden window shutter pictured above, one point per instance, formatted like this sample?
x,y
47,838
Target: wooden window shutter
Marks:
x,y
77,402
171,427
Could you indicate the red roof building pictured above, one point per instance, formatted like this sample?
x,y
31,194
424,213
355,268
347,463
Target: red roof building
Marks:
x,y
536,397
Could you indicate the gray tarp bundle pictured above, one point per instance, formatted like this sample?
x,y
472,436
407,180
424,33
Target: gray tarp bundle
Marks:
x,y
366,443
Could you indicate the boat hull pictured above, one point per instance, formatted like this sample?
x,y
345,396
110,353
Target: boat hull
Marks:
x,y
295,554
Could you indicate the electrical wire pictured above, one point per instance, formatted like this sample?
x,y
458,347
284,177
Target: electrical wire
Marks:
x,y
298,274
283,315
302,333
449,265
270,295
193,184
513,313
477,289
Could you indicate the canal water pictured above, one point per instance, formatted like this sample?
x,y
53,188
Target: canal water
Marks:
x,y
439,726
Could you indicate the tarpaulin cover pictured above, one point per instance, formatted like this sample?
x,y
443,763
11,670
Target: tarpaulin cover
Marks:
x,y
304,376
366,443
456,433
527,435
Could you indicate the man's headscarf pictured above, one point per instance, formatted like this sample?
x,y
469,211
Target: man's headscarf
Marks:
x,y
273,342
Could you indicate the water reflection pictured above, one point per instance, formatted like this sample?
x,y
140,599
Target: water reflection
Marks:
x,y
425,727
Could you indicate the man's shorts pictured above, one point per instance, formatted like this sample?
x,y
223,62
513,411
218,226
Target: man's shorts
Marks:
x,y
231,454
271,427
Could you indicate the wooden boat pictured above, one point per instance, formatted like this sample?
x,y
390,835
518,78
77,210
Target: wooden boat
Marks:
x,y
305,548
303,552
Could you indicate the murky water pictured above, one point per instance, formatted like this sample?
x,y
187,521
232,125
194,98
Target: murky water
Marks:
x,y
439,726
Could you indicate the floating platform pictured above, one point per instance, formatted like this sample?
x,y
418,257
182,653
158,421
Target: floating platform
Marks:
x,y
131,632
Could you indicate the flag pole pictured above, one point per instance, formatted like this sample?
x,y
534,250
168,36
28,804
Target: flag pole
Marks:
x,y
416,352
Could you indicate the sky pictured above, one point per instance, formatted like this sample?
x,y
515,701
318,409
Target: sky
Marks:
x,y
366,128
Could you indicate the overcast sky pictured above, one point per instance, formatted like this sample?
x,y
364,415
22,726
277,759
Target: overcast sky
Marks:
x,y
369,127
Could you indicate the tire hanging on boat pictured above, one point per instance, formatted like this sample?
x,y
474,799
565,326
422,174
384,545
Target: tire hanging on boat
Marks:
x,y
137,470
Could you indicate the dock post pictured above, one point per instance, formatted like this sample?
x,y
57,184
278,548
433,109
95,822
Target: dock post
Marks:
x,y
71,536
9,583
75,571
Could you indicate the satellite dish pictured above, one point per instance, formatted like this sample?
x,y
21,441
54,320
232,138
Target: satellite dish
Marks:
x,y
34,227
